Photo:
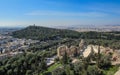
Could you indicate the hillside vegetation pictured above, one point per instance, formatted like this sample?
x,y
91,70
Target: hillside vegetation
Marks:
x,y
107,39
44,33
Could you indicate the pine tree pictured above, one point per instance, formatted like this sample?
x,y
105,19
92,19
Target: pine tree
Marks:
x,y
98,57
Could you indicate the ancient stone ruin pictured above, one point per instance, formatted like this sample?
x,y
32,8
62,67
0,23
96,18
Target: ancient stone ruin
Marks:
x,y
73,51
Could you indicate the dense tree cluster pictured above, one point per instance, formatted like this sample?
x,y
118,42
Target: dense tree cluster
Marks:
x,y
114,44
34,64
26,64
44,33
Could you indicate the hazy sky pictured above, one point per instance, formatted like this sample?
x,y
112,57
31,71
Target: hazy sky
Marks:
x,y
59,12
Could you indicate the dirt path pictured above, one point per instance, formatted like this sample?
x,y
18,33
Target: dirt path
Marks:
x,y
117,73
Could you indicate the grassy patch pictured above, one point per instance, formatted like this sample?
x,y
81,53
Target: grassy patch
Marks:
x,y
111,71
54,66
